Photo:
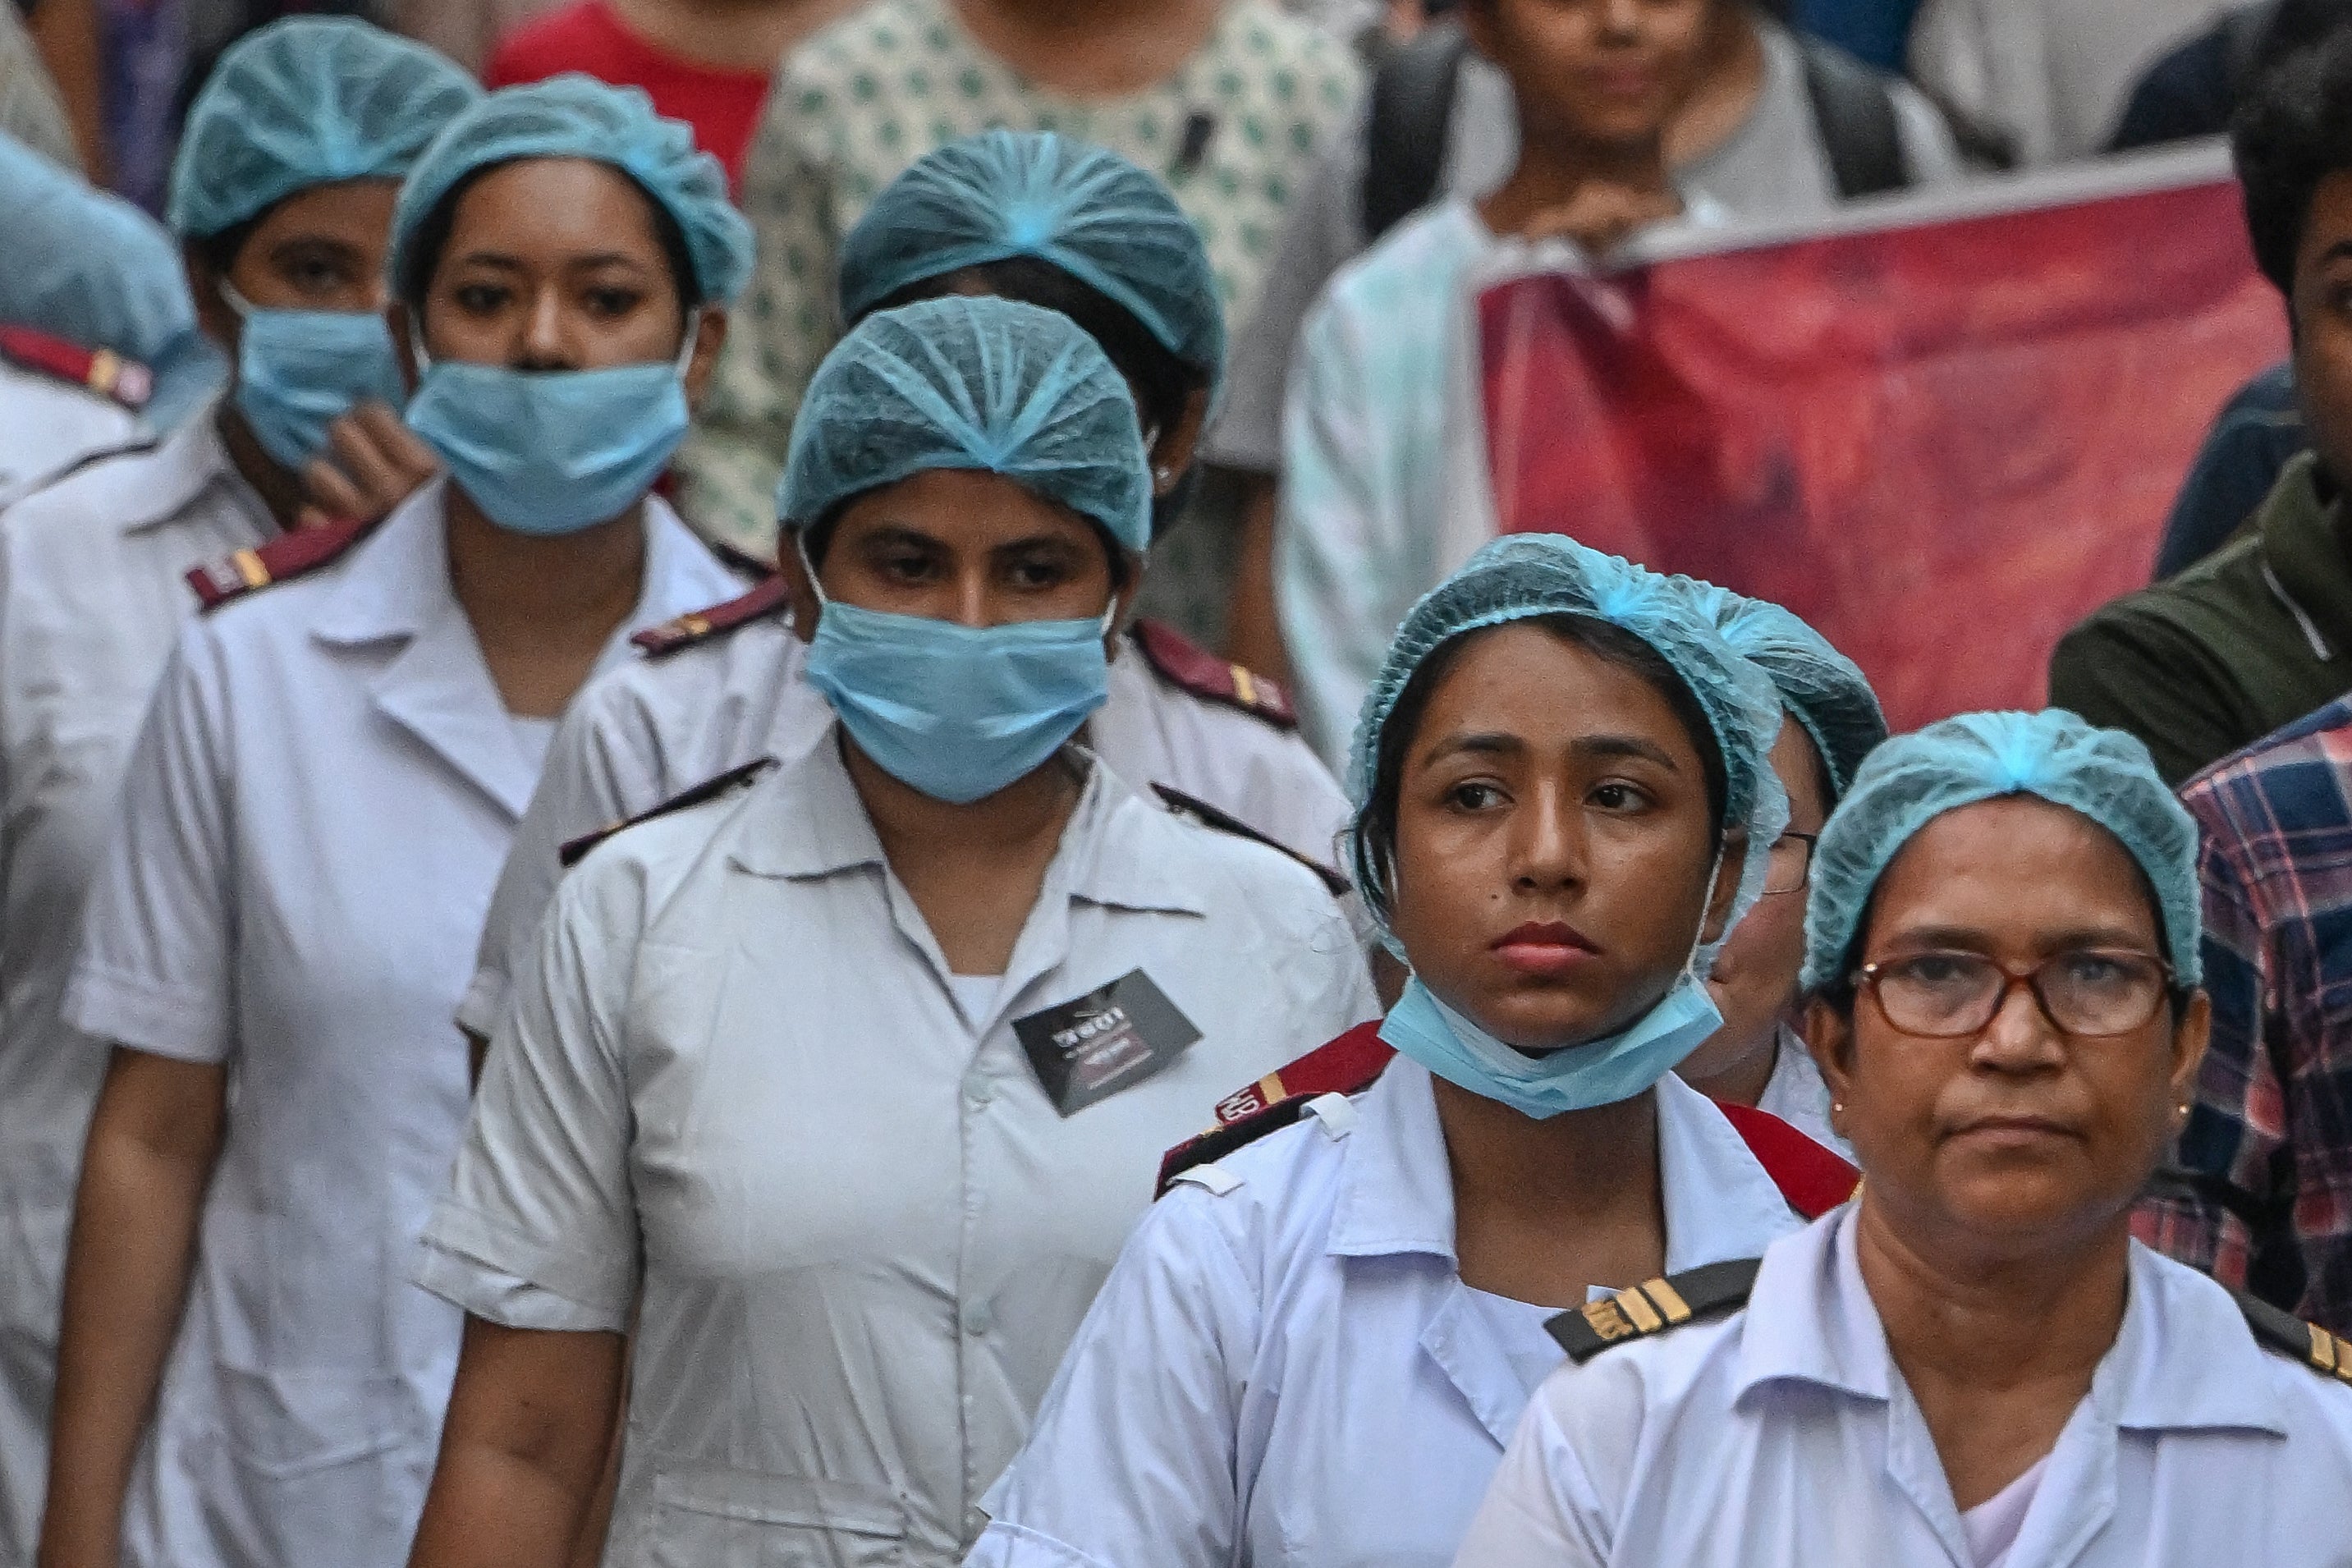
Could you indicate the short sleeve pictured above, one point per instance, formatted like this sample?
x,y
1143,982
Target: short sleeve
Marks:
x,y
538,1229
1133,1456
1541,1511
159,932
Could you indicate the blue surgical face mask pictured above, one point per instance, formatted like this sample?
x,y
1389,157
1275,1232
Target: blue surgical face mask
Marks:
x,y
1577,1078
958,712
552,452
297,372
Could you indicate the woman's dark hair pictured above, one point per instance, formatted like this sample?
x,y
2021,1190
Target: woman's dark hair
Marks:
x,y
2293,132
817,537
433,239
1374,840
219,252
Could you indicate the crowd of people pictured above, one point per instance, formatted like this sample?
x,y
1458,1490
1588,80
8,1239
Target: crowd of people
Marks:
x,y
636,924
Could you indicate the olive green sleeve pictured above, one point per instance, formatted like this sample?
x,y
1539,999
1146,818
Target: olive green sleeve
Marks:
x,y
2147,678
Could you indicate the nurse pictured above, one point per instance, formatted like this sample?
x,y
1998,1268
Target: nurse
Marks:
x,y
1314,1348
1972,1364
319,801
1023,216
283,193
845,1087
1832,722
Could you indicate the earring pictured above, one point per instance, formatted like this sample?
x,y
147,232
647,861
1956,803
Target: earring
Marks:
x,y
1163,473
1838,1107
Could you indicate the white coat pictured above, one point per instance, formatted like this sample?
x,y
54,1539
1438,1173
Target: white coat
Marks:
x,y
48,425
319,801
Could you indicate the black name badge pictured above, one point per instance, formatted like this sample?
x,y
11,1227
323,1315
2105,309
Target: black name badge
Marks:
x,y
1091,1047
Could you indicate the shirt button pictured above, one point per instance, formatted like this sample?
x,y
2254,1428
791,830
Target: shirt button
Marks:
x,y
976,1319
979,1093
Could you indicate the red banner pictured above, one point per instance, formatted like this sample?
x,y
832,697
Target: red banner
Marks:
x,y
1941,435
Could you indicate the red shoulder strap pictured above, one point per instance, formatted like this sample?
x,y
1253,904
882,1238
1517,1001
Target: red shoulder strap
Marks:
x,y
1187,666
701,626
1813,1179
1346,1066
103,371
289,555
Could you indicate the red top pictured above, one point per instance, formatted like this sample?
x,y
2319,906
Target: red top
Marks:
x,y
722,105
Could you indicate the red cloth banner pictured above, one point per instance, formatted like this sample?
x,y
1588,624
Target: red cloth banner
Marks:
x,y
1942,434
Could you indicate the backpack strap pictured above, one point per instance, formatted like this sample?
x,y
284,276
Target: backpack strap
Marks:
x,y
293,554
576,850
1408,124
1654,1307
1812,1179
1854,109
1223,821
700,626
1348,1066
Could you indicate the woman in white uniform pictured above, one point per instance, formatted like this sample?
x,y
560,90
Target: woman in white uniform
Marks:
x,y
323,794
1832,722
1024,215
1314,1348
847,1086
1972,1365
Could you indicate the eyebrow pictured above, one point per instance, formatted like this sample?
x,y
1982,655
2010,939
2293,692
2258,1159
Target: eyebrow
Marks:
x,y
505,262
2071,940
1499,744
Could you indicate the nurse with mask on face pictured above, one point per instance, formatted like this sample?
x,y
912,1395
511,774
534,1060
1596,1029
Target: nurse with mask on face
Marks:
x,y
324,789
842,1086
1316,1346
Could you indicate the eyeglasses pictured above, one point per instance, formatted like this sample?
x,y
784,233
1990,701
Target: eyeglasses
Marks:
x,y
1791,865
2089,995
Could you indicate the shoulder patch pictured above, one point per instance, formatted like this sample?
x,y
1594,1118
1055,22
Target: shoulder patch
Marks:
x,y
2290,1337
1187,666
283,559
1346,1066
700,626
1812,1178
127,383
1652,1308
1225,821
726,784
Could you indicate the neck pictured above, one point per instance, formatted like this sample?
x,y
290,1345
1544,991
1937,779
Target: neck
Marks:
x,y
543,607
1092,49
1549,177
728,35
1577,1169
1731,79
281,489
1743,1082
1010,826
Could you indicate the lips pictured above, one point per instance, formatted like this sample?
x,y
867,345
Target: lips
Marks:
x,y
2015,1129
1544,948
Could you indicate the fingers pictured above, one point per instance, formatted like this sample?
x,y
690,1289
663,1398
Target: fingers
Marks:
x,y
400,447
373,463
332,493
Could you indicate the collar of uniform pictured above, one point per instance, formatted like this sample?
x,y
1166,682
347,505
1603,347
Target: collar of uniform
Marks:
x,y
1811,1319
1396,1190
810,822
188,460
2309,556
407,588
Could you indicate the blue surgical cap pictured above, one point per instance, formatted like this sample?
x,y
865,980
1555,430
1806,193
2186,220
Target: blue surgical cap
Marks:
x,y
574,116
1827,691
975,384
307,100
1089,212
82,265
1909,781
1528,574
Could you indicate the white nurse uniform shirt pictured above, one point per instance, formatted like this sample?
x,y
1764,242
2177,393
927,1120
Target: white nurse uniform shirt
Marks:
x,y
1783,1437
318,804
91,599
1286,1368
736,1078
657,727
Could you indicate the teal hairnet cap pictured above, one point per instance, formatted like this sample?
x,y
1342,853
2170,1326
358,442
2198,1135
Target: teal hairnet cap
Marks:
x,y
1826,691
94,269
1528,574
574,116
1909,781
1005,193
307,100
989,384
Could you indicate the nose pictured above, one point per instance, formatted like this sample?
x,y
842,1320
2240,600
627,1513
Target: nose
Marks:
x,y
2021,1038
1621,19
1550,850
973,606
542,343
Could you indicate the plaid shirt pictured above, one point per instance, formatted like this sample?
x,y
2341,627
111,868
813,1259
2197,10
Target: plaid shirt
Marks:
x,y
2260,1194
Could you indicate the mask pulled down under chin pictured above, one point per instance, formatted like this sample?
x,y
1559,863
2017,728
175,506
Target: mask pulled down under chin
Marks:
x,y
1600,1072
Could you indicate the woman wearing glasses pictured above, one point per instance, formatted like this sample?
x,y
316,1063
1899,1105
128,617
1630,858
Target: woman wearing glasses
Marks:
x,y
1973,1363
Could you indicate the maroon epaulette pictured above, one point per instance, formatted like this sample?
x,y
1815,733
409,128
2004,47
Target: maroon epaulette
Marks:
x,y
701,626
1347,1065
293,554
126,381
1187,666
733,779
1226,822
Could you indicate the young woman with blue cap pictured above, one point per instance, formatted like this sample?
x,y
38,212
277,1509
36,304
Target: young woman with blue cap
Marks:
x,y
840,1088
1973,1363
283,191
1316,1345
325,788
1057,224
